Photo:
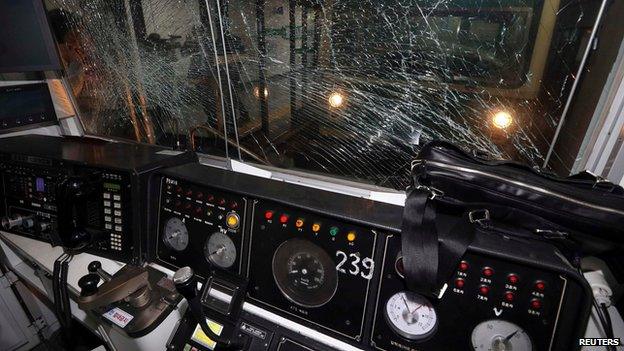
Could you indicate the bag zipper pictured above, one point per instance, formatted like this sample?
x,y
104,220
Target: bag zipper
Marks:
x,y
535,188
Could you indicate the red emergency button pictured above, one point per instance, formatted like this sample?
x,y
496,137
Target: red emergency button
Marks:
x,y
283,219
484,289
513,279
488,272
540,286
459,283
536,304
463,266
268,215
509,296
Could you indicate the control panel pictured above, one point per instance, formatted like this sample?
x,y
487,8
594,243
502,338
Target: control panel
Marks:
x,y
83,194
200,227
33,204
324,271
311,267
29,195
491,303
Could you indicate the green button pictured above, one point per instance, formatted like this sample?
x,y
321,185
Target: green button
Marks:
x,y
333,231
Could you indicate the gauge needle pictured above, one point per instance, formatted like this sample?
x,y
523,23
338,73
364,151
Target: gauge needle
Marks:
x,y
510,336
407,305
218,251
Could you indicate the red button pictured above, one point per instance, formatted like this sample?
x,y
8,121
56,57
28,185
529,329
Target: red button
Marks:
x,y
189,193
233,205
463,266
459,283
536,304
540,286
200,195
187,206
513,279
198,210
283,218
178,189
268,215
509,296
210,198
488,272
221,202
484,290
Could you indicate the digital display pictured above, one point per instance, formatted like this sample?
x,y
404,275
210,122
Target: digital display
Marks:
x,y
112,186
23,105
40,185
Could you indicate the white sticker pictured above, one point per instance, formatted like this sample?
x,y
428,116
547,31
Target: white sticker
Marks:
x,y
170,152
119,317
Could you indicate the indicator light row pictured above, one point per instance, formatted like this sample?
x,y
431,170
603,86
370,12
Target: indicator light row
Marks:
x,y
284,218
199,195
512,278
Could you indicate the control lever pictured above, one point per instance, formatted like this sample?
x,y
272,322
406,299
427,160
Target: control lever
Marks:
x,y
96,267
186,284
124,284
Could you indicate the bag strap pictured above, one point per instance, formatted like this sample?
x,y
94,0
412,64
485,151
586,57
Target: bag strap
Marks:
x,y
429,259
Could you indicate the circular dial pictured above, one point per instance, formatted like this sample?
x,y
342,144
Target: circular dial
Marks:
x,y
176,235
220,250
304,273
411,315
500,335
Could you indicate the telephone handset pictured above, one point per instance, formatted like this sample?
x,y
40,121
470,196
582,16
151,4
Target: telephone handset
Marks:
x,y
77,202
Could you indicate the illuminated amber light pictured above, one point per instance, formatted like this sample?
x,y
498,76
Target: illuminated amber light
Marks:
x,y
336,99
351,236
316,227
502,119
232,220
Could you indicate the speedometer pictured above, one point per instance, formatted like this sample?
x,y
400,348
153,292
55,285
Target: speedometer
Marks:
x,y
411,315
304,273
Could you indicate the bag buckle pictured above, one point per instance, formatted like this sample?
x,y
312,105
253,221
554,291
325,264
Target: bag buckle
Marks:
x,y
479,216
433,192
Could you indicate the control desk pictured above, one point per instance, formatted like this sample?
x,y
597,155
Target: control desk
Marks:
x,y
323,271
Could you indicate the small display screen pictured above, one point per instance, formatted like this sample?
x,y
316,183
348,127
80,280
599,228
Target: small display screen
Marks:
x,y
40,185
27,104
112,186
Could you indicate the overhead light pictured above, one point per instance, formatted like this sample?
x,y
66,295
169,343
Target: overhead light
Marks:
x,y
256,92
502,119
336,99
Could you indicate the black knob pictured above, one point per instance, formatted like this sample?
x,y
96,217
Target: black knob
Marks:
x,y
94,266
89,284
185,282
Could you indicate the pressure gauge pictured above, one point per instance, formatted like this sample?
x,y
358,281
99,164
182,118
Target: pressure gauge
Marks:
x,y
176,235
411,315
220,250
500,335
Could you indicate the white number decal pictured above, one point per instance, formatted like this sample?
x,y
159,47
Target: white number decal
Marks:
x,y
365,271
342,262
369,264
354,264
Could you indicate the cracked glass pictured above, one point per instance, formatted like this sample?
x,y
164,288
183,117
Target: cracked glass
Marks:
x,y
344,88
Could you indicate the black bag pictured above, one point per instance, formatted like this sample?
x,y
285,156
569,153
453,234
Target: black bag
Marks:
x,y
507,192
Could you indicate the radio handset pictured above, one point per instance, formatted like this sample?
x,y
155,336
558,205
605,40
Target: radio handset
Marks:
x,y
76,195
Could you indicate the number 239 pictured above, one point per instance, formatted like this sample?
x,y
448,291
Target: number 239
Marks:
x,y
368,265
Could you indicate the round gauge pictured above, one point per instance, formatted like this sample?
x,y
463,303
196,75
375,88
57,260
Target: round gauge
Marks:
x,y
176,235
220,250
411,315
500,335
304,273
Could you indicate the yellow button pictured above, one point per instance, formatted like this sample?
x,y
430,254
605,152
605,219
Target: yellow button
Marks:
x,y
316,227
351,236
299,223
232,220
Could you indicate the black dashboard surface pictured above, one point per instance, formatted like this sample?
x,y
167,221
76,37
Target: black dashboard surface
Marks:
x,y
359,210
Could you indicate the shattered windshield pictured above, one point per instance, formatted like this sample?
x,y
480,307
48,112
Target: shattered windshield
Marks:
x,y
345,88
